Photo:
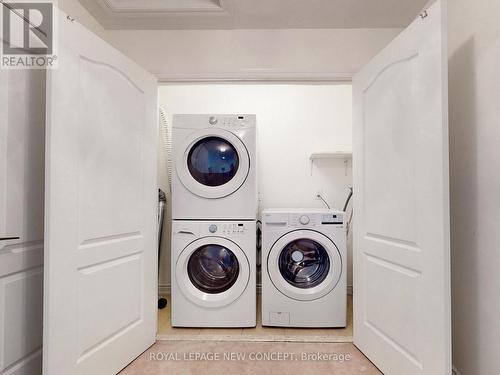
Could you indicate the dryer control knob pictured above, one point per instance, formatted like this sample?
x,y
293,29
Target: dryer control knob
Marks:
x,y
212,228
304,219
212,120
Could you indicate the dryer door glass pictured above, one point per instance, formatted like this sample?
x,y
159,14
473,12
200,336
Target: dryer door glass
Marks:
x,y
213,269
213,161
304,263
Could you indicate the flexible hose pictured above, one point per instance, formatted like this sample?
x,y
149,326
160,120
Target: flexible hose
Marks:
x,y
348,199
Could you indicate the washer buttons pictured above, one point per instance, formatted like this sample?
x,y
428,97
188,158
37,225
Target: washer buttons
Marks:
x,y
304,219
212,228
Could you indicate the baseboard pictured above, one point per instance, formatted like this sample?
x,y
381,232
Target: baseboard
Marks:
x,y
166,289
455,371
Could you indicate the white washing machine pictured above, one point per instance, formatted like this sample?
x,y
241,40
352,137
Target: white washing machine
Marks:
x,y
213,274
304,278
215,167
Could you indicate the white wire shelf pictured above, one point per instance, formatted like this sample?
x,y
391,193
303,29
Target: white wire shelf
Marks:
x,y
333,155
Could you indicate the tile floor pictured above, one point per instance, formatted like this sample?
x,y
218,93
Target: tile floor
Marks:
x,y
259,333
224,357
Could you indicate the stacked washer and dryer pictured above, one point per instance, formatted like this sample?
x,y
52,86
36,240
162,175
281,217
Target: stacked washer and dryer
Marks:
x,y
214,212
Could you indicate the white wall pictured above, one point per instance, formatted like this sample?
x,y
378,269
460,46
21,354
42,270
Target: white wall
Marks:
x,y
202,53
474,36
292,122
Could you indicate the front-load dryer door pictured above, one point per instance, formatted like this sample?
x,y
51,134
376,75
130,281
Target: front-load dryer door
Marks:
x,y
304,265
212,272
213,163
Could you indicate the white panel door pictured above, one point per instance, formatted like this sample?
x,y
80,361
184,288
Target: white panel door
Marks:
x,y
401,236
22,133
101,207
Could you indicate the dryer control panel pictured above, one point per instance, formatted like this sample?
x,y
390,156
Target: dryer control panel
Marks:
x,y
222,121
230,121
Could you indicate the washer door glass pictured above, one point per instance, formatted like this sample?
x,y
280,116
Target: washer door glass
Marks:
x,y
213,269
304,263
213,161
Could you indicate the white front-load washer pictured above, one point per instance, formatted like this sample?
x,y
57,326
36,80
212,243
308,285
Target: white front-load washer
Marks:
x,y
304,260
213,273
215,167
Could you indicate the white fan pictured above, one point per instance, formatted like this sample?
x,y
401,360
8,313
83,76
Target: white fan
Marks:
x,y
165,162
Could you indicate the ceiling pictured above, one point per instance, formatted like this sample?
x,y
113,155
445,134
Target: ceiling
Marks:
x,y
253,14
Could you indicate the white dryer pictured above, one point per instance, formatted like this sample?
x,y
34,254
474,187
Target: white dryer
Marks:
x,y
215,167
213,273
304,260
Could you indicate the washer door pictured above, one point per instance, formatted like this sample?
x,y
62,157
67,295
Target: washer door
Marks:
x,y
212,272
214,163
304,265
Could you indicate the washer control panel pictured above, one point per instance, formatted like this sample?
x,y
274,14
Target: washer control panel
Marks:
x,y
302,220
225,229
337,218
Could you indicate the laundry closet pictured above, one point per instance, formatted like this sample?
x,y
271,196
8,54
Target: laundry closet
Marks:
x,y
297,143
275,149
